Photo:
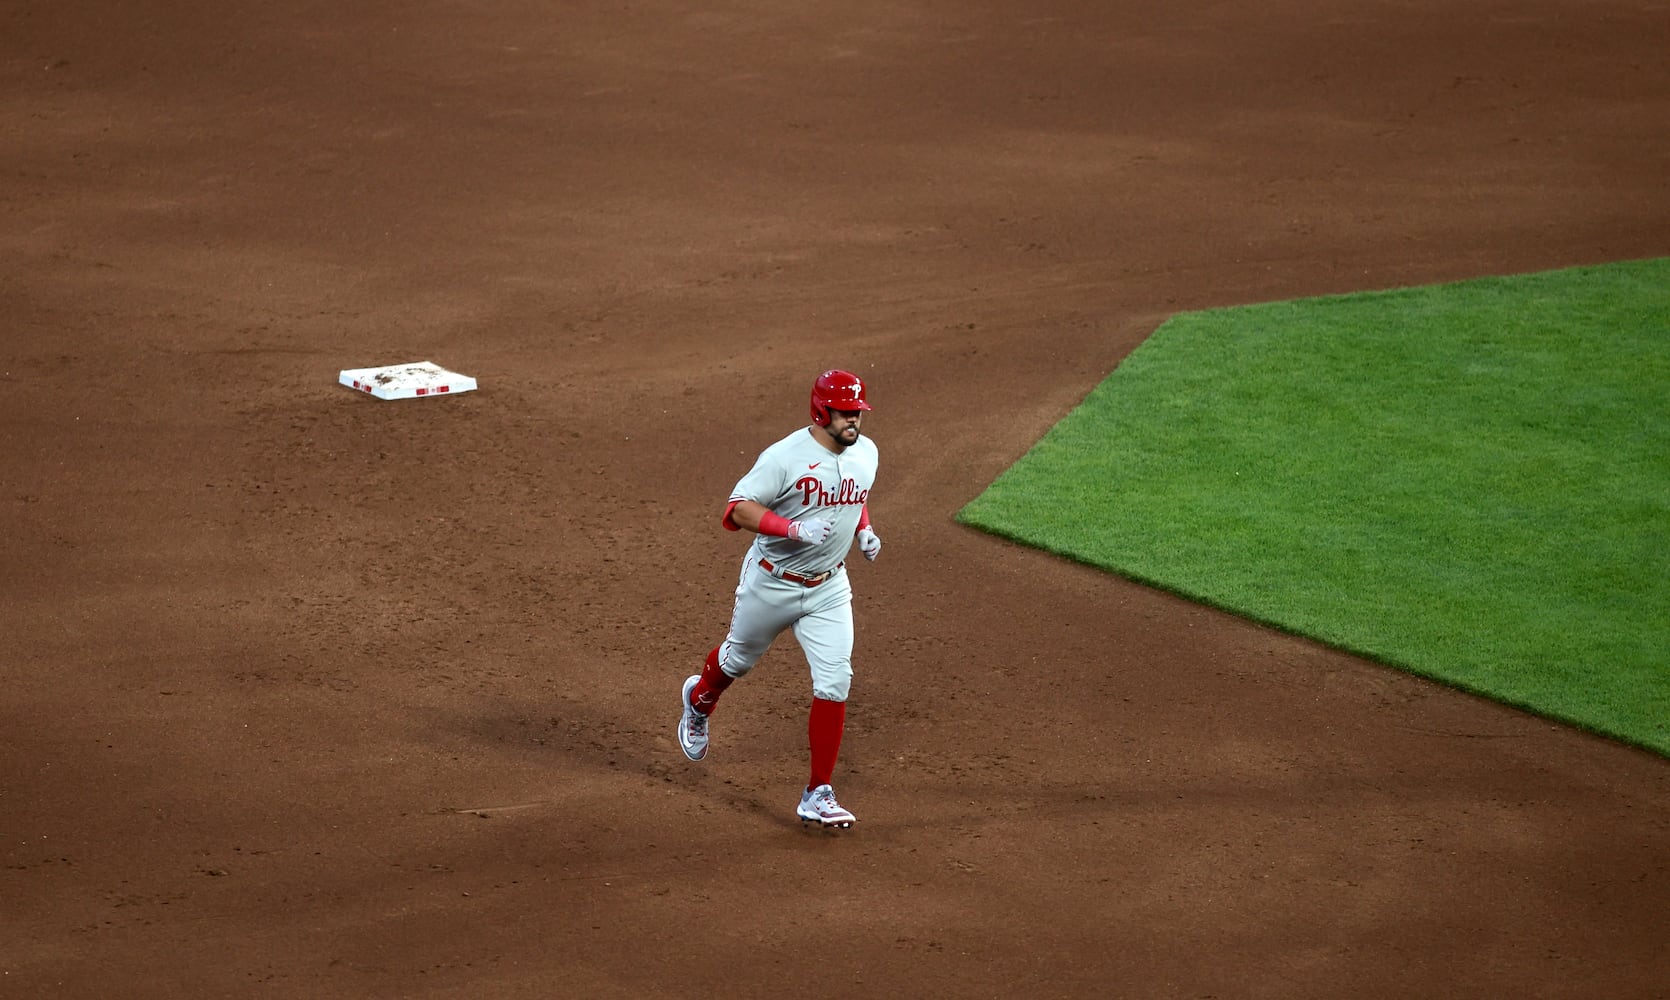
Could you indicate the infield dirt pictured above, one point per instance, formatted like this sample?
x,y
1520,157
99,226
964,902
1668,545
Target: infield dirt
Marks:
x,y
313,695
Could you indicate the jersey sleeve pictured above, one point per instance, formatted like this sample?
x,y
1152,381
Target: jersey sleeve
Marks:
x,y
763,484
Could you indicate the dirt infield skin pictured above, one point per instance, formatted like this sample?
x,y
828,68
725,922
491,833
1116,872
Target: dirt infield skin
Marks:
x,y
311,695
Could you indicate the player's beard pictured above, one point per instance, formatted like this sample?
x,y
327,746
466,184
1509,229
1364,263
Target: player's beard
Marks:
x,y
844,441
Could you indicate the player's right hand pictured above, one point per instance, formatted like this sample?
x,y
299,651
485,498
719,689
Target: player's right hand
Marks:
x,y
812,531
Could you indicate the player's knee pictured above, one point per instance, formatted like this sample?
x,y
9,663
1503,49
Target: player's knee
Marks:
x,y
730,660
834,688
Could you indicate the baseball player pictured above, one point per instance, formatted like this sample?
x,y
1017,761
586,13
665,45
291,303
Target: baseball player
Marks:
x,y
806,500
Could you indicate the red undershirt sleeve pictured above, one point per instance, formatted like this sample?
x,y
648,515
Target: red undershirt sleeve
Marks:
x,y
770,524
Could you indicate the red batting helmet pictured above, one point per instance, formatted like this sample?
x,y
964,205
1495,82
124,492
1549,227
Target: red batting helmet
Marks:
x,y
836,390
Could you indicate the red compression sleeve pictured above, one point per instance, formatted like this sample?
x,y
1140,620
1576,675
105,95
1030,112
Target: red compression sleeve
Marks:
x,y
823,732
863,517
774,524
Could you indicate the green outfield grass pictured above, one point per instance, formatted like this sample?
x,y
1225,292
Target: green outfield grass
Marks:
x,y
1467,481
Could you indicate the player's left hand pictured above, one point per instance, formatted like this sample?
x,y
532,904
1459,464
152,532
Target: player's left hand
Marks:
x,y
869,543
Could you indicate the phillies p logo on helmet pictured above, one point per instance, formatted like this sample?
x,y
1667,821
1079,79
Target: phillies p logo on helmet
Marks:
x,y
836,390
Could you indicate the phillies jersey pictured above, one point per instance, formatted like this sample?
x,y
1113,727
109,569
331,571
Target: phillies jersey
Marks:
x,y
798,478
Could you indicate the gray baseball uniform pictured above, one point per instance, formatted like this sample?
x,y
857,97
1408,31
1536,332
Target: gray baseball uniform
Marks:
x,y
785,583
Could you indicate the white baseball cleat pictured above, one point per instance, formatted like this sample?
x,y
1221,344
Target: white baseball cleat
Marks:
x,y
819,806
692,726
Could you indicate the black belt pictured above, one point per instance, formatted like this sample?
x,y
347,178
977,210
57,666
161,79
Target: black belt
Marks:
x,y
804,581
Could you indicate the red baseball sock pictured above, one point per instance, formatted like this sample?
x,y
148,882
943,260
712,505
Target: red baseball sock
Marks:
x,y
705,695
823,730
